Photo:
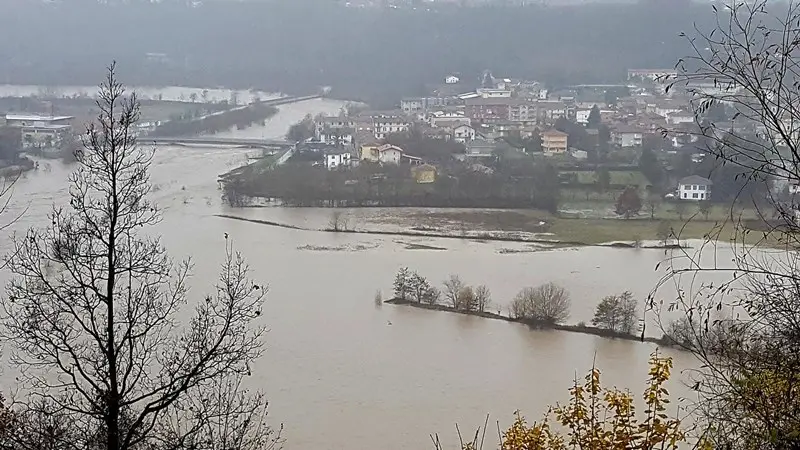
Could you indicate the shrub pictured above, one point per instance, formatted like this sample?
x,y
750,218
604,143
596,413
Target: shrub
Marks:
x,y
616,313
548,303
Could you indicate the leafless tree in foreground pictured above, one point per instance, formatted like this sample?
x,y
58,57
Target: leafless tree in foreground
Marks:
x,y
93,313
745,326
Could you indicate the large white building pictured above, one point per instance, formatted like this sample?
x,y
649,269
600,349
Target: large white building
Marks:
x,y
694,188
493,93
448,119
383,125
40,131
463,134
336,160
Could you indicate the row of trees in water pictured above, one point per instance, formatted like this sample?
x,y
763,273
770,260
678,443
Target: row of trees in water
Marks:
x,y
547,304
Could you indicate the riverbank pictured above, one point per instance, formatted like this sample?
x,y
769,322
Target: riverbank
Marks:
x,y
239,117
563,228
594,331
477,236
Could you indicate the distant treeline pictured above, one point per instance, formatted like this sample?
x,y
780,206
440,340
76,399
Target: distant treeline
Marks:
x,y
375,54
240,117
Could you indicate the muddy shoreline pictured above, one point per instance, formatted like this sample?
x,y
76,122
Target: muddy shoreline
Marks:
x,y
479,237
594,331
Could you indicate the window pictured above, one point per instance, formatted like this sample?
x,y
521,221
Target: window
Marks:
x,y
702,196
694,187
694,195
702,187
685,195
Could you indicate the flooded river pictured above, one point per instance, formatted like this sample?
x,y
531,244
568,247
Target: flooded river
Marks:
x,y
341,372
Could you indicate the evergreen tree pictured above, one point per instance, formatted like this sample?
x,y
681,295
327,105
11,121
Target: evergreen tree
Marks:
x,y
402,285
650,167
629,203
594,119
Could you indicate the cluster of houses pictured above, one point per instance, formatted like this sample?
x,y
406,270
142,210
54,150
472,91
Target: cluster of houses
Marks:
x,y
501,107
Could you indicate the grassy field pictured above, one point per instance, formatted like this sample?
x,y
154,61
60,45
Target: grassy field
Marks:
x,y
586,230
596,231
603,207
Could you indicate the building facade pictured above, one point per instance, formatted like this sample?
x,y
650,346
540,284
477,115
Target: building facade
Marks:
x,y
41,131
463,134
554,142
694,188
337,160
486,110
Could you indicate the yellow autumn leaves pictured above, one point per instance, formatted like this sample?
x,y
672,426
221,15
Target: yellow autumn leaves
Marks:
x,y
596,418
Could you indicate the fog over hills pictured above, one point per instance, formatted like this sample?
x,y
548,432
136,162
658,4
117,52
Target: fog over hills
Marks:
x,y
375,53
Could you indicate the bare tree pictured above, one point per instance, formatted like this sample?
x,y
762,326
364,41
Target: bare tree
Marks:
x,y
421,290
653,203
483,297
750,360
338,222
547,303
452,289
92,310
467,300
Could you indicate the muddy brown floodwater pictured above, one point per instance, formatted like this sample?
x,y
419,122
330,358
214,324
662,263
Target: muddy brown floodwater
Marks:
x,y
343,373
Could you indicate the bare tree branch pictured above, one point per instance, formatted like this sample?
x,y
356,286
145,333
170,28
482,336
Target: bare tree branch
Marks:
x,y
93,310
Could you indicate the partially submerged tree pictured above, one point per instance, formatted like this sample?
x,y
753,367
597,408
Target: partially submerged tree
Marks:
x,y
402,284
452,287
421,290
483,298
338,222
548,303
93,312
616,313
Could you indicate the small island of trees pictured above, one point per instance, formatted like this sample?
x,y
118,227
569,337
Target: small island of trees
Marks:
x,y
546,306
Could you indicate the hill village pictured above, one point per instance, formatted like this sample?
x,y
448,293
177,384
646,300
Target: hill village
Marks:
x,y
642,134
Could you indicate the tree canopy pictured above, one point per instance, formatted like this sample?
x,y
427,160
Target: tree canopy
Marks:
x,y
629,203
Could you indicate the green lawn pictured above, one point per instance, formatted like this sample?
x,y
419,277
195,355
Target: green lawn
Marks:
x,y
595,231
